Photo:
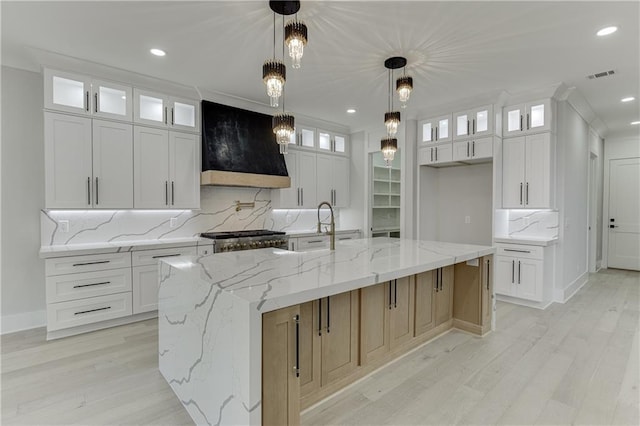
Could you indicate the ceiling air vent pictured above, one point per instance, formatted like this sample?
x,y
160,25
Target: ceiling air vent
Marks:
x,y
601,74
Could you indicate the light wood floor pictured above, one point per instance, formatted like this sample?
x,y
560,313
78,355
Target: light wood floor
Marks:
x,y
574,363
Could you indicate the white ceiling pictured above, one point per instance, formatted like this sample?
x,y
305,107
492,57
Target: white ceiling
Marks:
x,y
456,50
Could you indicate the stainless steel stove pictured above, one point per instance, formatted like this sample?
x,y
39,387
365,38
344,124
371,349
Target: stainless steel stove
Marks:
x,y
247,240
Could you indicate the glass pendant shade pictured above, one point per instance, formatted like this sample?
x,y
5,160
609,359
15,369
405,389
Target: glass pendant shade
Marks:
x,y
404,85
295,37
388,146
392,121
283,127
274,74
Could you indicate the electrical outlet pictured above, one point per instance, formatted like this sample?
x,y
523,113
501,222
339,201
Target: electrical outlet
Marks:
x,y
172,222
467,219
64,226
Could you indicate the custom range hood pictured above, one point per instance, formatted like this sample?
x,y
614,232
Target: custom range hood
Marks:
x,y
239,149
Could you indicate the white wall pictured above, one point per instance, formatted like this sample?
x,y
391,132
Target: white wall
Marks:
x,y
615,147
572,174
22,287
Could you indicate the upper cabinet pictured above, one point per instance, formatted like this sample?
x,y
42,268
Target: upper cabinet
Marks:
x,y
159,110
435,130
473,123
80,94
309,137
304,137
527,118
332,142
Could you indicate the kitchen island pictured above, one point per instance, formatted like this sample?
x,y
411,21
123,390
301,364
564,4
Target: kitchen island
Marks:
x,y
215,310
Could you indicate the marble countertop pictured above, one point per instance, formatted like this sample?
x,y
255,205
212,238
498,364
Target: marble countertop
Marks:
x,y
296,234
532,241
268,279
119,246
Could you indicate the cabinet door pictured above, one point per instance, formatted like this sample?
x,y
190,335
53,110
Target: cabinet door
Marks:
x,y
307,179
150,168
401,316
482,148
306,137
112,100
529,279
425,318
340,143
482,121
374,323
68,92
184,170
150,108
426,131
145,288
538,116
513,173
184,114
280,386
443,129
505,275
444,153
324,140
288,197
310,348
513,120
462,123
425,156
461,150
444,296
112,165
340,341
67,141
341,182
487,290
537,191
324,183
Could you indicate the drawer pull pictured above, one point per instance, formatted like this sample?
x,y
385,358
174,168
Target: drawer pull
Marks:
x,y
518,251
160,256
92,263
91,285
314,241
93,310
344,238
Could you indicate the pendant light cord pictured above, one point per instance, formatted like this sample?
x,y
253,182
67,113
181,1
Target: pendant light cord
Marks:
x,y
274,32
274,36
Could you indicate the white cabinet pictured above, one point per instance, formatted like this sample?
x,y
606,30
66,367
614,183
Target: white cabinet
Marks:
x,y
166,169
332,142
476,122
88,163
332,180
160,110
476,149
301,166
527,172
435,130
527,118
320,241
435,155
521,272
304,137
69,92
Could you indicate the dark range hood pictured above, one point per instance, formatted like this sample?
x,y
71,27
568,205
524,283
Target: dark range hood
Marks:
x,y
239,149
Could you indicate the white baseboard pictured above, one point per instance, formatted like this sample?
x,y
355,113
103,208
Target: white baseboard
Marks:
x,y
563,295
524,302
23,321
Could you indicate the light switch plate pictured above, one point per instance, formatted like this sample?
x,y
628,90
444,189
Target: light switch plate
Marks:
x,y
172,222
64,226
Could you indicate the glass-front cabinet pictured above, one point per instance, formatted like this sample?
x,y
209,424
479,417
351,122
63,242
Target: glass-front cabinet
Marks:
x,y
385,196
476,122
332,142
435,130
159,110
526,118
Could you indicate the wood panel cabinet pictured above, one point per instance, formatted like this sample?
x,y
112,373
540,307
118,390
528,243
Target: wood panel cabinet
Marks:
x,y
473,307
401,314
425,308
444,294
280,375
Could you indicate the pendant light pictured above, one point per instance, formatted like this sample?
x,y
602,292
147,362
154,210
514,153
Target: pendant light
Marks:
x,y
392,118
295,37
404,86
283,124
388,146
274,73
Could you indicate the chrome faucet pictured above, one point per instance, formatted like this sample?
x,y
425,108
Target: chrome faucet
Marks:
x,y
332,232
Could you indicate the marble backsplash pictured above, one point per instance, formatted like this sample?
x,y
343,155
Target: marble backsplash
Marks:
x,y
217,213
531,223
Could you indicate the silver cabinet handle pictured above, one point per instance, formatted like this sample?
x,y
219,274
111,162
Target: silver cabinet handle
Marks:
x,y
474,126
89,191
302,196
319,317
298,197
99,262
488,273
526,198
513,271
520,122
467,149
92,310
520,193
527,121
87,100
431,150
518,251
173,193
329,314
473,148
296,368
97,192
467,127
314,241
165,115
431,134
166,193
172,117
95,107
91,285
519,270
436,135
160,256
436,152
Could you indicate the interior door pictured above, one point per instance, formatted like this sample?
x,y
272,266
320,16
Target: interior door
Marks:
x,y
112,165
624,214
150,168
184,170
513,153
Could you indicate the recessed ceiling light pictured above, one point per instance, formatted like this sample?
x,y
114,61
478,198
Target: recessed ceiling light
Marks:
x,y
629,99
635,122
157,52
606,31
351,111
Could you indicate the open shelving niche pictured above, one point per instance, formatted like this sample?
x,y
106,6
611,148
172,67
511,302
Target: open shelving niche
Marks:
x,y
385,197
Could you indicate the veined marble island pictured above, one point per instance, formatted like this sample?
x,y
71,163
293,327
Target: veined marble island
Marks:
x,y
250,337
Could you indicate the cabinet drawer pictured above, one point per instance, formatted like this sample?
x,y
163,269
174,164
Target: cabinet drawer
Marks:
x,y
350,236
86,311
205,249
61,288
151,257
310,243
87,263
522,251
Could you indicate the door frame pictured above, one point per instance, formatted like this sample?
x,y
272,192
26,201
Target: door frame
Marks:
x,y
592,215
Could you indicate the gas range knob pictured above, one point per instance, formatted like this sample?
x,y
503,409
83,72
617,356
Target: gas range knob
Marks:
x,y
237,246
253,244
226,247
245,246
260,244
